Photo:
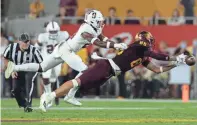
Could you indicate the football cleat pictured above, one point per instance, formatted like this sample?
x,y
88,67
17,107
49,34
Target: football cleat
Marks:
x,y
45,100
49,105
28,109
9,69
72,100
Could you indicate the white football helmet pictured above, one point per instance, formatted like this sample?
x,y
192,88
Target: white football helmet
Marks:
x,y
95,19
53,28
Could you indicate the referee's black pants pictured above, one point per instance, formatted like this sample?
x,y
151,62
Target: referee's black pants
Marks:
x,y
23,88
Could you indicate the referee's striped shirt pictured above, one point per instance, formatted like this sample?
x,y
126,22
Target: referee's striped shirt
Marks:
x,y
14,54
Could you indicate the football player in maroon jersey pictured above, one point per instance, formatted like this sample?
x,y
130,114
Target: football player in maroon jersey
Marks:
x,y
137,53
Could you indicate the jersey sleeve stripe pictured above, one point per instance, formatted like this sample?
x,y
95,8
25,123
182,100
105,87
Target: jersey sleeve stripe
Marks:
x,y
6,52
38,57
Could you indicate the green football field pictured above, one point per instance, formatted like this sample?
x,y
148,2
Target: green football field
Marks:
x,y
104,112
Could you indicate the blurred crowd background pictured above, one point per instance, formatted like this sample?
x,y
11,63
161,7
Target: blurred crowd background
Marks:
x,y
19,16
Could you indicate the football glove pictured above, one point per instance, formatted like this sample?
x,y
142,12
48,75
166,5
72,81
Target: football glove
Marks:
x,y
120,46
180,60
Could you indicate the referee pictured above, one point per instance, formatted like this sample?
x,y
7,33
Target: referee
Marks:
x,y
20,53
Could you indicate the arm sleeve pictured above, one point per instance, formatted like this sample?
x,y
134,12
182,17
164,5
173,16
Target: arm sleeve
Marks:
x,y
155,55
7,52
89,37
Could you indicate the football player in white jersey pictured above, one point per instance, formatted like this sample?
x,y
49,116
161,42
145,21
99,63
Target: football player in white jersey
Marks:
x,y
47,42
89,33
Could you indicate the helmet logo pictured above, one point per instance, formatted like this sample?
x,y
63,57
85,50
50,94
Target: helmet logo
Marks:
x,y
94,18
93,15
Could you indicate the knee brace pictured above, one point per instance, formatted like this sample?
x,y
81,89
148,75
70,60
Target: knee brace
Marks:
x,y
75,83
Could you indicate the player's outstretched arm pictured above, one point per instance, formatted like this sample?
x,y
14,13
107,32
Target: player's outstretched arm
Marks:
x,y
96,41
164,57
103,44
103,37
158,69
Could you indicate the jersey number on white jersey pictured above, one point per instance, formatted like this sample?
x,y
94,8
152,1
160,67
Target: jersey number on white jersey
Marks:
x,y
50,48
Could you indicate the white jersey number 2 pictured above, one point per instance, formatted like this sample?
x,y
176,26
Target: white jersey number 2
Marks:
x,y
50,48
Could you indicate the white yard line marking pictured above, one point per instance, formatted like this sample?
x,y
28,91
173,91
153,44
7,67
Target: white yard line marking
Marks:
x,y
123,100
133,100
101,120
99,108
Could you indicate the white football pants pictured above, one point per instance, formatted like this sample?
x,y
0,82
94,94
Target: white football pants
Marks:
x,y
62,53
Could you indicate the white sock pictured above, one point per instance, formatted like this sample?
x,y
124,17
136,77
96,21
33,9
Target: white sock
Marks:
x,y
73,91
53,94
31,67
47,88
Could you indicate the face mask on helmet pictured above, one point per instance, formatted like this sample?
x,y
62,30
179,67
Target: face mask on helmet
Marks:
x,y
150,39
53,29
145,37
100,24
53,34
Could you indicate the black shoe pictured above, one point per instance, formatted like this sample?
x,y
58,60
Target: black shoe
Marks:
x,y
28,109
56,101
12,93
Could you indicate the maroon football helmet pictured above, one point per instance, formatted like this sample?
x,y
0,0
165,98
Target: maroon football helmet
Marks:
x,y
146,37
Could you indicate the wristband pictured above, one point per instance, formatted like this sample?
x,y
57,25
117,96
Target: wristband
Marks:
x,y
93,40
105,39
108,45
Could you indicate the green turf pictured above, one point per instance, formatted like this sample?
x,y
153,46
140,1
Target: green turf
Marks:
x,y
103,113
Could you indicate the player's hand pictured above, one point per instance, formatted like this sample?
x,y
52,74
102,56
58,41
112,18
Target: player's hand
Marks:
x,y
120,46
14,75
180,59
